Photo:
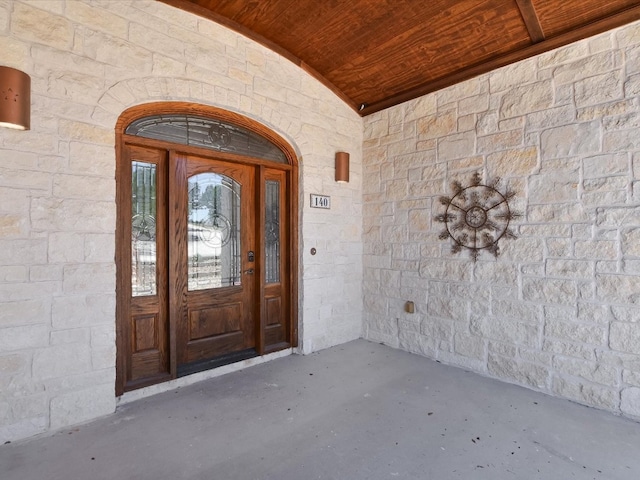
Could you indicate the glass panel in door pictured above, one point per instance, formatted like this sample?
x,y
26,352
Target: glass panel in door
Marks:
x,y
213,232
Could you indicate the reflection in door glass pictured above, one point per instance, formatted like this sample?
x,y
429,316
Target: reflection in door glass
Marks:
x,y
272,233
213,233
143,229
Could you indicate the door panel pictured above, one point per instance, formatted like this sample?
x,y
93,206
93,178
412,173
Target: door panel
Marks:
x,y
143,333
212,281
275,314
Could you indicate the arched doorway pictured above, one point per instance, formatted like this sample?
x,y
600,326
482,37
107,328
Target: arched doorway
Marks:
x,y
206,242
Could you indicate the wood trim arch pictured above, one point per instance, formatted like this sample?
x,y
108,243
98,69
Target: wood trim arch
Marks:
x,y
188,108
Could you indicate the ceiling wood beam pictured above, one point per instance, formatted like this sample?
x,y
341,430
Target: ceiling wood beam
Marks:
x,y
605,24
531,20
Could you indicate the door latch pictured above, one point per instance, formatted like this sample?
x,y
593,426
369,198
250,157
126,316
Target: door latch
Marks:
x,y
249,272
251,256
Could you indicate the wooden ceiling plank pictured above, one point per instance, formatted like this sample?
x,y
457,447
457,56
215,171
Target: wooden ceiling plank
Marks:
x,y
602,25
531,20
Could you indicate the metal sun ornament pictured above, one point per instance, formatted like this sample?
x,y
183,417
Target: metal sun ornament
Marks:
x,y
477,217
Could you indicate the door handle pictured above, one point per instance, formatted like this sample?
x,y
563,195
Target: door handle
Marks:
x,y
249,272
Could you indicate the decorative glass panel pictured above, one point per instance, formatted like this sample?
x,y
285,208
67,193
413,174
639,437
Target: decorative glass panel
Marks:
x,y
143,229
272,234
213,232
207,133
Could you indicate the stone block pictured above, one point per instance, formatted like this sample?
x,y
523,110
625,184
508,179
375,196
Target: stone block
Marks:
x,y
418,344
25,179
630,377
596,249
558,247
84,187
568,349
99,248
503,349
496,273
606,165
620,140
512,75
89,278
630,242
630,401
76,335
591,371
499,141
473,104
516,310
524,373
72,215
60,361
33,24
507,330
80,406
625,337
437,328
18,430
13,364
14,274
626,314
586,393
570,268
576,332
622,122
65,247
20,251
553,188
456,146
563,212
74,311
575,139
514,162
590,66
438,269
618,289
44,273
98,18
549,291
470,346
620,217
525,99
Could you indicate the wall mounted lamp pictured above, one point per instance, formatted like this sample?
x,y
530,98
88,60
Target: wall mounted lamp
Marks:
x,y
342,167
15,99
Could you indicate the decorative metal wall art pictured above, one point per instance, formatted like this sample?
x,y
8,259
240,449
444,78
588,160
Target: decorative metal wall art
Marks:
x,y
477,217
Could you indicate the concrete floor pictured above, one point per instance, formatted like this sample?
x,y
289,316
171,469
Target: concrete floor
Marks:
x,y
357,411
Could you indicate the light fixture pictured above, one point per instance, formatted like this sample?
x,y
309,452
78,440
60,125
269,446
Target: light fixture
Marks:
x,y
342,167
15,99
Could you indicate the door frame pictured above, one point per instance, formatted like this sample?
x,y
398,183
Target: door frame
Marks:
x,y
123,275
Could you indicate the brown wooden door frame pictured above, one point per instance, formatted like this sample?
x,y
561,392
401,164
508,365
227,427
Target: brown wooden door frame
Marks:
x,y
288,332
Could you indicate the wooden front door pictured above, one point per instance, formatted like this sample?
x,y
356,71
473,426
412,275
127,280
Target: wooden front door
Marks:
x,y
206,242
213,260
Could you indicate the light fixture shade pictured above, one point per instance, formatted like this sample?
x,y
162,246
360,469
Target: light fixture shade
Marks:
x,y
15,99
342,167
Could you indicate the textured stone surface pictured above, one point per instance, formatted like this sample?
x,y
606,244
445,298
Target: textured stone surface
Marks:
x,y
89,62
558,310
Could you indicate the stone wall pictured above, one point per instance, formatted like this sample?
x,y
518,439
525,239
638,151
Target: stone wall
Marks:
x,y
89,61
559,309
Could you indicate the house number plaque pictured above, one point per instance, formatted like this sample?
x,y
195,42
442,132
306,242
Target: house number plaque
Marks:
x,y
320,201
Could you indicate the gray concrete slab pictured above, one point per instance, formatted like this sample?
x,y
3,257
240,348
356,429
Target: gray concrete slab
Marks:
x,y
357,411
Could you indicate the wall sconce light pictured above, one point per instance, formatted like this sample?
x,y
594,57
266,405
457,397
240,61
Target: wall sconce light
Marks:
x,y
15,99
342,167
